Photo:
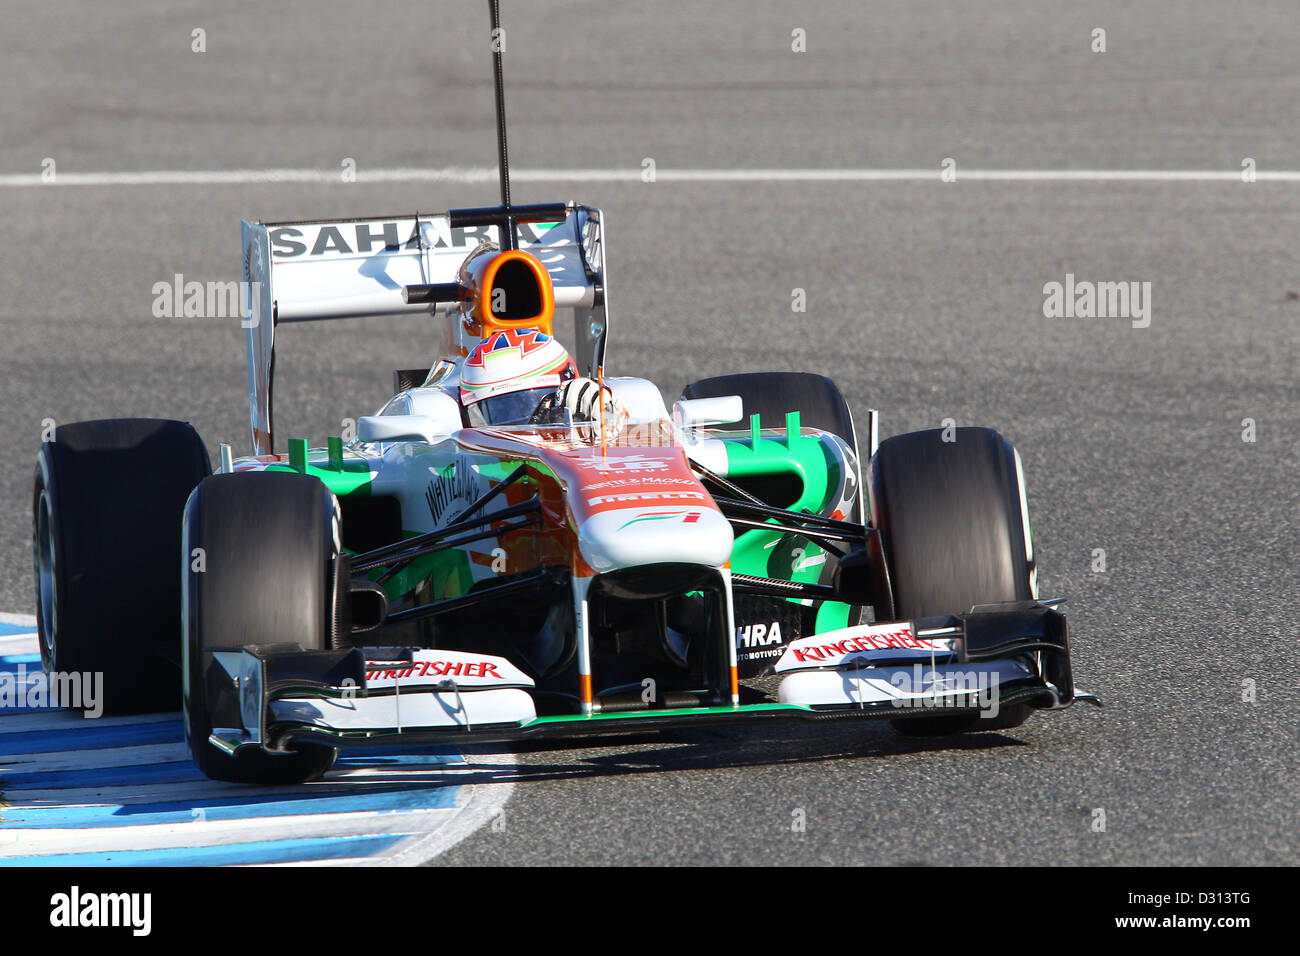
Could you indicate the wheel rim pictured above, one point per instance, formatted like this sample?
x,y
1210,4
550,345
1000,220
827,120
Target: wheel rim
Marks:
x,y
45,568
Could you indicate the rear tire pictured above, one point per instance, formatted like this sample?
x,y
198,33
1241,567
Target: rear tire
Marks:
x,y
106,526
950,518
772,394
270,555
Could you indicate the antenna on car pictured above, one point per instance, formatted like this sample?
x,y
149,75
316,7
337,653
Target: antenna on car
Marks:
x,y
507,215
508,238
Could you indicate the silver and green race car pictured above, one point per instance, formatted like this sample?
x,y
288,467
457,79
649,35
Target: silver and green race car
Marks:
x,y
737,556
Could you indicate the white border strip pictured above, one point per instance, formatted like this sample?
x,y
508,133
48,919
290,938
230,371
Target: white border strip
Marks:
x,y
488,174
485,804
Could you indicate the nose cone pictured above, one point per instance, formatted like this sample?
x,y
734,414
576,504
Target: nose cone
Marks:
x,y
629,537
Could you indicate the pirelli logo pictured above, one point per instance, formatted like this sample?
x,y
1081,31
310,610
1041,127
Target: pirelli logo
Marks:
x,y
640,497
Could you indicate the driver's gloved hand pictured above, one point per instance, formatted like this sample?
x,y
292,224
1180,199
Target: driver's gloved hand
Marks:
x,y
580,396
580,399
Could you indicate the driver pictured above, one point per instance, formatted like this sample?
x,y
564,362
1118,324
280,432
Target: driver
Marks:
x,y
525,377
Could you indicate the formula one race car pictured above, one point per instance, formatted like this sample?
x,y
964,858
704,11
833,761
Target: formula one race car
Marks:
x,y
518,545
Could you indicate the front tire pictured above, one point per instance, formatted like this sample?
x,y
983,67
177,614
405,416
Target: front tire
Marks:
x,y
267,572
954,536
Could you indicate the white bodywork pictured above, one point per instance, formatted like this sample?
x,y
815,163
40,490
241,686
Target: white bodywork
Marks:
x,y
630,537
846,666
429,689
905,685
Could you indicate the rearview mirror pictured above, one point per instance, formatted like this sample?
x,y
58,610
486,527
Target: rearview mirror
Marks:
x,y
378,428
699,412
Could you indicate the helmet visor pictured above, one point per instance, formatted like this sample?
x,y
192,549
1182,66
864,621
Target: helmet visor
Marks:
x,y
513,408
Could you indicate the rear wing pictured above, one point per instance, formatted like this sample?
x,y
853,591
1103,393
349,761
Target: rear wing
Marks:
x,y
320,269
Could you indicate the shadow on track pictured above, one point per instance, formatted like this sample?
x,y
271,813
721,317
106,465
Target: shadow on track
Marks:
x,y
715,749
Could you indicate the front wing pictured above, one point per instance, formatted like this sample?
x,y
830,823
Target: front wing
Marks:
x,y
970,664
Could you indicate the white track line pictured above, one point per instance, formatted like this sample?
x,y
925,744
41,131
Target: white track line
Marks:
x,y
487,174
485,806
98,759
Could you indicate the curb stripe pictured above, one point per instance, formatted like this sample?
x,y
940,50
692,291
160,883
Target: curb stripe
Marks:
x,y
232,808
68,760
266,851
68,721
190,795
171,772
199,834
12,662
61,741
121,791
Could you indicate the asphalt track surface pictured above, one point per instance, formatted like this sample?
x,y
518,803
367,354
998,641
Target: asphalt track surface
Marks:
x,y
924,300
